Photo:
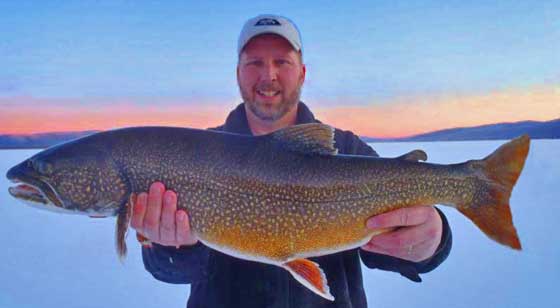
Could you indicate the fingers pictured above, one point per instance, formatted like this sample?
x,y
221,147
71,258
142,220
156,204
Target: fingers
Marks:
x,y
184,235
138,212
155,216
182,222
153,212
167,225
404,237
415,253
409,216
415,242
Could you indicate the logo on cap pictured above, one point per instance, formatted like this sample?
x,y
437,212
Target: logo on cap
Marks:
x,y
267,22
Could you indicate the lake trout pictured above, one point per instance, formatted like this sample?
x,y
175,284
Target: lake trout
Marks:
x,y
278,198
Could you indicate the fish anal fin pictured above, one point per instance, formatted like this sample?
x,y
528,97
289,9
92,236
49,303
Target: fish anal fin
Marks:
x,y
310,138
123,220
414,156
310,275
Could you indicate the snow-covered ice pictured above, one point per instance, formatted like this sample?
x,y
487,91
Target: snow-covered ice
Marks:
x,y
55,260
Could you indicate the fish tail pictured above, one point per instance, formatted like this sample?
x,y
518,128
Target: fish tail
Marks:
x,y
501,170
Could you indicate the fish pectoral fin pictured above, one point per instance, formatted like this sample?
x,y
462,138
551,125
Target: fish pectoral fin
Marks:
x,y
311,138
414,156
144,241
123,220
310,275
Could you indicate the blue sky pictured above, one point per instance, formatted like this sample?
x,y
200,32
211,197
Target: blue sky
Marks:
x,y
366,50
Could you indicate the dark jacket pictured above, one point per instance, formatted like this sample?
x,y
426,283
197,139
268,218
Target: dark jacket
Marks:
x,y
218,280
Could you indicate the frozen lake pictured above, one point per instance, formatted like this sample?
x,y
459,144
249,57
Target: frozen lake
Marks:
x,y
54,260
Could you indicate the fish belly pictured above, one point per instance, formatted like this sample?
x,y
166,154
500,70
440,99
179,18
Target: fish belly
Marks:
x,y
274,230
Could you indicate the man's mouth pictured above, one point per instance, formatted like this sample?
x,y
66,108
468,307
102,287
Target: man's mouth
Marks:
x,y
268,93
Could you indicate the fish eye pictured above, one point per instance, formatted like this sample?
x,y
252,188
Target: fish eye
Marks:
x,y
46,168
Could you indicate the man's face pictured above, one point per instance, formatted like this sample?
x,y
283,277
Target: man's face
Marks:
x,y
270,76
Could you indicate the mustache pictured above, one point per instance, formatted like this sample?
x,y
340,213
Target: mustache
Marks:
x,y
268,87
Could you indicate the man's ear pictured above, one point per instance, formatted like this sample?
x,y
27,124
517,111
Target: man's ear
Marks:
x,y
237,73
303,72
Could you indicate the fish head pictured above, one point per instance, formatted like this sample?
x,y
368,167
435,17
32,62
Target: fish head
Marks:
x,y
74,178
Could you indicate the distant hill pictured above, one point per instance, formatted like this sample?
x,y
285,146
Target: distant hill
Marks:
x,y
39,141
536,130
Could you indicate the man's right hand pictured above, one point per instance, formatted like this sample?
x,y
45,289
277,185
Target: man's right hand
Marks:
x,y
155,216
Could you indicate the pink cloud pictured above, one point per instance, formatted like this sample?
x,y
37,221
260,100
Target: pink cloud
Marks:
x,y
32,115
400,117
411,116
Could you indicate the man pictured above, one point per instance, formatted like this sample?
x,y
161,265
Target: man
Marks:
x,y
270,75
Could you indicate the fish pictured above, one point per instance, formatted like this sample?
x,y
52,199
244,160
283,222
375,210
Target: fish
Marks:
x,y
279,198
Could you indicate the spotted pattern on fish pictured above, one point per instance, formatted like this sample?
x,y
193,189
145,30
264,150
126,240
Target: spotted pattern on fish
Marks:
x,y
276,198
297,206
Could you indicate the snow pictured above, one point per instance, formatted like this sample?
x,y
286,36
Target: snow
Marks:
x,y
55,260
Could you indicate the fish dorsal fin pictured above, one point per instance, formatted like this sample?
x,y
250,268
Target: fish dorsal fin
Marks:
x,y
414,156
123,220
311,138
310,275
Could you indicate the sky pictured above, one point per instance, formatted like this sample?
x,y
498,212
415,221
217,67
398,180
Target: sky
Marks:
x,y
379,68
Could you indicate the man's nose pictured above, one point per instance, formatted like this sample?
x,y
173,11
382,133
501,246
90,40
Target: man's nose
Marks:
x,y
270,72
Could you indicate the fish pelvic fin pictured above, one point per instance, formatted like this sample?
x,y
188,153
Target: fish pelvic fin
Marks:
x,y
502,169
123,220
310,138
310,275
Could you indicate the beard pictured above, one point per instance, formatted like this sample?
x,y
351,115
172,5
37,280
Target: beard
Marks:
x,y
271,113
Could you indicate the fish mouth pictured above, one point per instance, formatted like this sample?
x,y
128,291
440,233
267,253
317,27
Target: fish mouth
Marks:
x,y
34,191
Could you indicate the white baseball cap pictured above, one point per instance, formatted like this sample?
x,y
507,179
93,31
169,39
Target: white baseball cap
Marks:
x,y
268,23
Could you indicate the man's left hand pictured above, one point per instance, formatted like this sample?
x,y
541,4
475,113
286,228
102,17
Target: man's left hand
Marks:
x,y
416,237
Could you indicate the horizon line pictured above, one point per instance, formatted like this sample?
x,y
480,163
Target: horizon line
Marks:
x,y
362,136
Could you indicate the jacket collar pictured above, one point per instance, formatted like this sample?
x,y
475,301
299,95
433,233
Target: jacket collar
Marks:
x,y
236,121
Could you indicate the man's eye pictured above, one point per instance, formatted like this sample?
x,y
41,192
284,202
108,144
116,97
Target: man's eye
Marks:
x,y
282,62
254,63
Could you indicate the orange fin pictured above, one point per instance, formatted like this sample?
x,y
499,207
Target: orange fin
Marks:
x,y
310,275
501,169
144,241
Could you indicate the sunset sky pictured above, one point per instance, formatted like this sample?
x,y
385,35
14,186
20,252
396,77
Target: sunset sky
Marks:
x,y
379,68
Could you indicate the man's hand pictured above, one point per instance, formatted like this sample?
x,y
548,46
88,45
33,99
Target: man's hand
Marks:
x,y
155,216
416,238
